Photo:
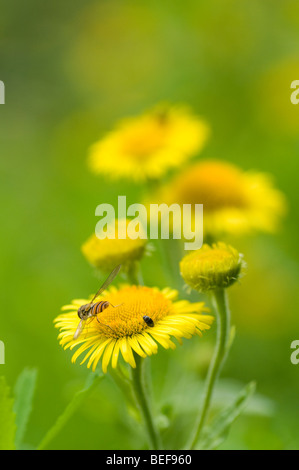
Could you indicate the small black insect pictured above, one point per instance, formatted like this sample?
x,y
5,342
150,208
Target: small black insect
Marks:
x,y
148,321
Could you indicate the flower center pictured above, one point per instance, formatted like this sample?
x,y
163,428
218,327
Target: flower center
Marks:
x,y
145,138
214,256
216,185
132,304
213,267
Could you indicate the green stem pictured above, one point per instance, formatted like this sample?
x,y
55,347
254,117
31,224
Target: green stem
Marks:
x,y
164,260
124,384
219,298
143,402
174,253
134,274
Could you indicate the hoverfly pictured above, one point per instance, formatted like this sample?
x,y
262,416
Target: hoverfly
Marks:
x,y
91,310
148,321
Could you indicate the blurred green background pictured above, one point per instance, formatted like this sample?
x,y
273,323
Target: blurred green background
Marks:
x,y
71,70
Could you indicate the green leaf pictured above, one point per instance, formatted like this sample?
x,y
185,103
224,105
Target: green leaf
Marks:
x,y
7,418
24,393
216,433
78,399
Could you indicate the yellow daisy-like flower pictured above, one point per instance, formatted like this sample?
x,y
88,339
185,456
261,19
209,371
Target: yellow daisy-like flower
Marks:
x,y
107,253
145,147
234,201
122,329
212,267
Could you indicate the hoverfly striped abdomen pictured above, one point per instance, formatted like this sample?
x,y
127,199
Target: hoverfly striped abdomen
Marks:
x,y
91,310
98,307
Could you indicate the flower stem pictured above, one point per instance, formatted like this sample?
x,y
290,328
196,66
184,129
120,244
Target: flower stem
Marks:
x,y
219,298
143,402
134,275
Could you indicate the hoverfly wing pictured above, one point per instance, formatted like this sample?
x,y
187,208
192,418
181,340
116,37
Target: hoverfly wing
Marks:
x,y
104,286
79,329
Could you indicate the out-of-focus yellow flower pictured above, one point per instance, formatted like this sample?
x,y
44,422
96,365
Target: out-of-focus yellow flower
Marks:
x,y
211,267
234,201
145,147
107,253
122,329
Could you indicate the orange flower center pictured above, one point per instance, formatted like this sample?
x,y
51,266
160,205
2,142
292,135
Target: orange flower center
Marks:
x,y
216,185
145,138
124,317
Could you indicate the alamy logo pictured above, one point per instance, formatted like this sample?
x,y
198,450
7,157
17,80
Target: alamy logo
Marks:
x,y
294,95
186,222
295,354
2,353
2,93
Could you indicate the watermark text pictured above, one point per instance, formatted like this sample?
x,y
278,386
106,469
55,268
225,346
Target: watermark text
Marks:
x,y
295,354
2,353
153,221
295,94
2,92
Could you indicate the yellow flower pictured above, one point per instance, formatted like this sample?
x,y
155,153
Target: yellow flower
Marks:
x,y
147,146
122,329
211,268
234,201
107,253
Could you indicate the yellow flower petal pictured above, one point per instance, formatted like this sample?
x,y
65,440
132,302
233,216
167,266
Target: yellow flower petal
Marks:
x,y
127,352
136,346
115,354
107,355
234,201
146,147
123,329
